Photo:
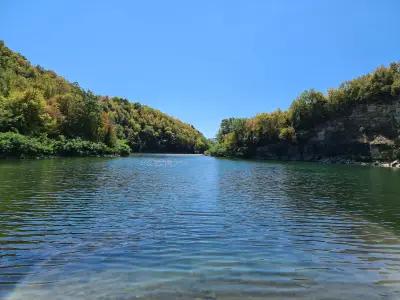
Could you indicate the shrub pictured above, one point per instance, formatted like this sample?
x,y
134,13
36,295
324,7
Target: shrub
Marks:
x,y
287,134
122,148
17,145
79,147
217,149
308,110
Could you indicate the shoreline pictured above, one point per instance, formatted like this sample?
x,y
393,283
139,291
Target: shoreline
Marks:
x,y
395,164
382,164
325,161
39,157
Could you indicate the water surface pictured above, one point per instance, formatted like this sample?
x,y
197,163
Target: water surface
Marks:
x,y
195,227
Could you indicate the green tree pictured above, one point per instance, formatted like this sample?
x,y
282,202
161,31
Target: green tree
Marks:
x,y
23,112
309,109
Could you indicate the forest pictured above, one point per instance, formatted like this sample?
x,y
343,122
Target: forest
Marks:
x,y
42,114
242,136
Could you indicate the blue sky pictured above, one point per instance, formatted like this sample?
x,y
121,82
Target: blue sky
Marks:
x,y
202,61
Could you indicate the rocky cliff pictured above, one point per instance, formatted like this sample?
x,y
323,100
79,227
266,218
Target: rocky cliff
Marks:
x,y
370,132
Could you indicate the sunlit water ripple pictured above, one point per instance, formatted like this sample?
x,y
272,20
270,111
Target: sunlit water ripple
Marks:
x,y
195,227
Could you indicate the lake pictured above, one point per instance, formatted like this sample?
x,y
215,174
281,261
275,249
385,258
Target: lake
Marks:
x,y
197,227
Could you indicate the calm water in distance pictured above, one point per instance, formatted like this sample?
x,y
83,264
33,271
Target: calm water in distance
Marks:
x,y
196,227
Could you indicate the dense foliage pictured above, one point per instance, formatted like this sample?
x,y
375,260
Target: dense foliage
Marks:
x,y
240,137
18,145
43,114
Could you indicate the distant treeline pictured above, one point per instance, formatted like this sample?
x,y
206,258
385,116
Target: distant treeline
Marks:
x,y
43,114
242,136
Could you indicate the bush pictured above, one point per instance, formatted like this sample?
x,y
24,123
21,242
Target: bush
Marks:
x,y
122,148
17,145
308,110
217,149
287,134
79,147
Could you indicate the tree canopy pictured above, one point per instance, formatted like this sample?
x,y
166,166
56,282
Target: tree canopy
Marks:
x,y
35,102
240,137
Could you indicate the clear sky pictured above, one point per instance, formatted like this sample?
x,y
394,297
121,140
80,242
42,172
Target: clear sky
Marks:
x,y
202,61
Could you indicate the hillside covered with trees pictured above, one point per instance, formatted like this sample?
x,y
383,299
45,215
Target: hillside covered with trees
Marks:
x,y
350,121
41,113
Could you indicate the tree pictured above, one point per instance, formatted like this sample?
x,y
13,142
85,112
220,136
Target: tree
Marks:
x,y
308,110
23,112
35,101
108,131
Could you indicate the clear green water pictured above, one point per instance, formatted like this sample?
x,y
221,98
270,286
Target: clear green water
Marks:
x,y
195,227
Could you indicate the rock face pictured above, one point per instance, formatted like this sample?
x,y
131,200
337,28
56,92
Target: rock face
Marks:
x,y
395,164
371,132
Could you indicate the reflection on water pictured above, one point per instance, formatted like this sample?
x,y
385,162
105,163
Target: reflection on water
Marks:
x,y
188,226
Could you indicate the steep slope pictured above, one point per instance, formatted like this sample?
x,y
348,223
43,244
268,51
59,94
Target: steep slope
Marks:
x,y
39,108
358,121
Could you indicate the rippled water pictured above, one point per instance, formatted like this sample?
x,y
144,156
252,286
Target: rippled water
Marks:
x,y
195,227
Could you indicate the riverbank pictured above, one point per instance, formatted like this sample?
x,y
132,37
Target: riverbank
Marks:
x,y
384,164
395,164
17,146
14,145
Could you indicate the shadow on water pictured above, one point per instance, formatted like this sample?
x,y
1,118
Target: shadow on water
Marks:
x,y
369,192
365,192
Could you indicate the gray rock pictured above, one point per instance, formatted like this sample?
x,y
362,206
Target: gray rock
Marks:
x,y
395,164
